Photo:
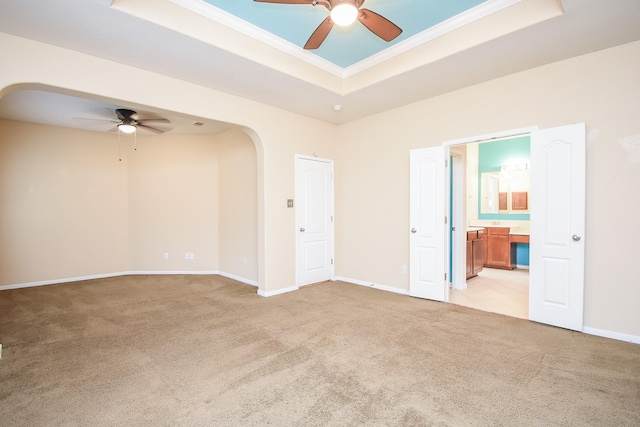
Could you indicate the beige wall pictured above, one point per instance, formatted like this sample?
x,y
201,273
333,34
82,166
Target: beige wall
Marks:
x,y
38,65
63,204
371,158
238,242
601,89
173,203
80,204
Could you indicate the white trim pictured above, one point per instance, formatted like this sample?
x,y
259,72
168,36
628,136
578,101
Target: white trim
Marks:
x,y
57,281
373,285
225,18
277,292
238,278
635,339
126,273
490,136
171,272
444,27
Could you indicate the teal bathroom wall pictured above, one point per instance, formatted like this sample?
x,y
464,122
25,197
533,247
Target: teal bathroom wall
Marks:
x,y
491,156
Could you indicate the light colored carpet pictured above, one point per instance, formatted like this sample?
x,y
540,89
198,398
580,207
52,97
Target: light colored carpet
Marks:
x,y
207,351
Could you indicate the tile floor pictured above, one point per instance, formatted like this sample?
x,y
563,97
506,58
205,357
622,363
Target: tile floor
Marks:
x,y
498,291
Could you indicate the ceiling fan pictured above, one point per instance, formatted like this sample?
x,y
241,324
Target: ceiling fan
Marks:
x,y
128,122
344,12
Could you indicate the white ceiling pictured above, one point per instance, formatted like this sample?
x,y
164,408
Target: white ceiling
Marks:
x,y
158,43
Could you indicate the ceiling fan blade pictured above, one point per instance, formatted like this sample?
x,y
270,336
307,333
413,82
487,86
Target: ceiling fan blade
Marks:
x,y
149,128
120,115
379,25
154,121
319,34
96,120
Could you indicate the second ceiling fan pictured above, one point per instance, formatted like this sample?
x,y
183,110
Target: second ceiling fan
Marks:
x,y
344,12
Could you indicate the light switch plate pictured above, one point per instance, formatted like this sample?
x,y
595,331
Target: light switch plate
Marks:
x,y
289,203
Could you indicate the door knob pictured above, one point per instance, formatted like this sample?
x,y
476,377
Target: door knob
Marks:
x,y
413,230
302,229
576,238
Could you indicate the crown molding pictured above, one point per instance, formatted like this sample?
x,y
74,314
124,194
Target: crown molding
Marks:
x,y
451,24
225,18
253,31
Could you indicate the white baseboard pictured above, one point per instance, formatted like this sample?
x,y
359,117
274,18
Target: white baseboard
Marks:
x,y
56,281
168,272
238,278
124,273
373,285
613,335
277,292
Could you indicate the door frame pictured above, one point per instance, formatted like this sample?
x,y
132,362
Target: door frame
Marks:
x,y
297,213
456,191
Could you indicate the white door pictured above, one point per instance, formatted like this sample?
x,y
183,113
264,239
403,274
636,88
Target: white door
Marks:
x,y
556,287
427,223
314,220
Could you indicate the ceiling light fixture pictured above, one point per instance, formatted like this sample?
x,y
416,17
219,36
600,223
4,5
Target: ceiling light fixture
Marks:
x,y
127,128
344,14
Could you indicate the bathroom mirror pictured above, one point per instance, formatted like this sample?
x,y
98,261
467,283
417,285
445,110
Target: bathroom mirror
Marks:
x,y
505,192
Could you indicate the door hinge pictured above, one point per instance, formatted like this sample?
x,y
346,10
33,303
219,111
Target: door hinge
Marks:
x,y
331,261
331,218
446,163
445,277
445,220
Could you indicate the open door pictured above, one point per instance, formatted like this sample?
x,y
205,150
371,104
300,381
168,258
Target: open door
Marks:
x,y
556,287
427,216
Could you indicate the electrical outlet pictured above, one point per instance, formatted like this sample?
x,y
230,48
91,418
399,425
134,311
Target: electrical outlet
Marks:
x,y
404,269
166,255
245,262
186,255
192,255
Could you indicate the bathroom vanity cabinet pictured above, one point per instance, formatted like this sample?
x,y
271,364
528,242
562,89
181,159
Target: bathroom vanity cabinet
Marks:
x,y
475,252
499,252
500,247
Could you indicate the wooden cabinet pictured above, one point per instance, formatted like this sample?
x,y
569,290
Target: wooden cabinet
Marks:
x,y
499,253
475,252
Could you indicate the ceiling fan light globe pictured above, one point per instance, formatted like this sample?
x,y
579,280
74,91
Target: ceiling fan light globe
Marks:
x,y
344,14
127,128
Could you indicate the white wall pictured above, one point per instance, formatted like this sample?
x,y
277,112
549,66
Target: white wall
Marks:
x,y
601,89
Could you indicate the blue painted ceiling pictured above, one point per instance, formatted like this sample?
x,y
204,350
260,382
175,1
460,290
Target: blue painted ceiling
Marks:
x,y
345,46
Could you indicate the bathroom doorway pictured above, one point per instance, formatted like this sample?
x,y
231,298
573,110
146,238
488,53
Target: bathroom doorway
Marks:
x,y
490,183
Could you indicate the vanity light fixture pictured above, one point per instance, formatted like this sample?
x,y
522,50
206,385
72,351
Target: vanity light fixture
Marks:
x,y
515,166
